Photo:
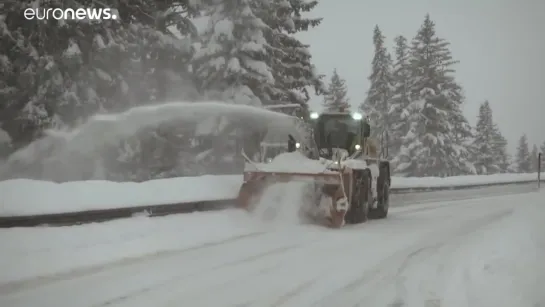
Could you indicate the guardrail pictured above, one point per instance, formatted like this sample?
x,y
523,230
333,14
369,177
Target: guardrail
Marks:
x,y
461,187
97,216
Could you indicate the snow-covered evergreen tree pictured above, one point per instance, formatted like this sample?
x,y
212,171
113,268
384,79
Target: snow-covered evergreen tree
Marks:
x,y
399,102
232,60
463,134
74,69
336,100
289,58
484,141
153,54
435,143
489,146
542,150
5,146
522,158
377,104
533,159
499,145
58,72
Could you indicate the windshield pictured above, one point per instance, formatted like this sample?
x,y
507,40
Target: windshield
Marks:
x,y
340,131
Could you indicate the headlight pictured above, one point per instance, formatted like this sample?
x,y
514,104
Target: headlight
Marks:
x,y
358,147
357,116
314,115
297,145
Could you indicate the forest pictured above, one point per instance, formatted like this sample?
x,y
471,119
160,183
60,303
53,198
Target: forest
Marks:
x,y
55,74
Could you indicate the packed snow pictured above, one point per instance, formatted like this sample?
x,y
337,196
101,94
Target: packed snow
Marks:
x,y
49,197
31,252
481,252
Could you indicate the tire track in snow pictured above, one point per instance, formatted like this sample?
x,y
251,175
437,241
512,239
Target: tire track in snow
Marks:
x,y
389,271
327,250
110,279
293,293
225,278
135,295
332,243
232,278
12,287
29,284
290,293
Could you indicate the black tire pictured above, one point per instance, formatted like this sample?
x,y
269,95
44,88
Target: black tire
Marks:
x,y
361,198
381,211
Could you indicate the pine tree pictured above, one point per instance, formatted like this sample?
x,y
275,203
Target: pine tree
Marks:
x,y
399,102
335,99
542,161
462,136
532,159
489,146
232,61
435,143
58,73
522,158
499,145
485,135
73,69
376,105
289,58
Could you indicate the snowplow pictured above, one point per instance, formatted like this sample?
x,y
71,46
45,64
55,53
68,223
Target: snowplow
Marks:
x,y
349,182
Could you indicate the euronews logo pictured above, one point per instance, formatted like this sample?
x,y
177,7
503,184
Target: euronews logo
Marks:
x,y
70,14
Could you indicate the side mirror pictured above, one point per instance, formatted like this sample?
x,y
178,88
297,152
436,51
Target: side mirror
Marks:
x,y
366,130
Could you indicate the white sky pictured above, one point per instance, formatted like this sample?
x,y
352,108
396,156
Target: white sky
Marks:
x,y
500,45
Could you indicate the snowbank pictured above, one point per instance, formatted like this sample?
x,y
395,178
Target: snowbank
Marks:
x,y
30,197
33,252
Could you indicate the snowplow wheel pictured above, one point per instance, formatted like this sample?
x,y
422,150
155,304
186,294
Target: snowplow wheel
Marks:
x,y
362,195
381,211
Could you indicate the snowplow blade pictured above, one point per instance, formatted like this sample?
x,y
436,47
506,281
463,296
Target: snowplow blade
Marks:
x,y
332,189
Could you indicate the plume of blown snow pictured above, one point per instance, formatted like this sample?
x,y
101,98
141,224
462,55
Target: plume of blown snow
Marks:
x,y
283,204
111,128
81,147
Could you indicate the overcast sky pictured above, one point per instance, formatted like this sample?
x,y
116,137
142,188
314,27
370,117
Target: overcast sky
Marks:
x,y
500,45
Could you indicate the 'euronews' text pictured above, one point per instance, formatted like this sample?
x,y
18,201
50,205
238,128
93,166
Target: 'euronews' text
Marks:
x,y
69,14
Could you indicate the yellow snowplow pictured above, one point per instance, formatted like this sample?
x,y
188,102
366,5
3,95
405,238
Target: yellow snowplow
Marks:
x,y
350,183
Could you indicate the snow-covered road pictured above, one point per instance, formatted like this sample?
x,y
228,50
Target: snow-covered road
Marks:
x,y
479,252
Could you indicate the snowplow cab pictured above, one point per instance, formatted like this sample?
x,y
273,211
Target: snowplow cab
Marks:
x,y
342,130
